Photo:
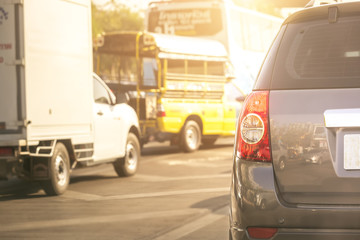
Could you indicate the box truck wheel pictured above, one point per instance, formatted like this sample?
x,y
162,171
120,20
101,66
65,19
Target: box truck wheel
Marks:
x,y
190,136
127,165
59,170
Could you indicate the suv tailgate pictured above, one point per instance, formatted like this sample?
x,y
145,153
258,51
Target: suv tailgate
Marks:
x,y
307,163
316,77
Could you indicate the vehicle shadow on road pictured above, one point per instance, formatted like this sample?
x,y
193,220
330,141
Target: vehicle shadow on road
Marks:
x,y
213,204
24,191
78,179
160,150
163,150
215,146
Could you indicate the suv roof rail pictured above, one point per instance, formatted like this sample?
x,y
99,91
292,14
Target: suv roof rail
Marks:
x,y
313,3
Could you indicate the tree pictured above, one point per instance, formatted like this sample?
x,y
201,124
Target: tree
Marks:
x,y
115,17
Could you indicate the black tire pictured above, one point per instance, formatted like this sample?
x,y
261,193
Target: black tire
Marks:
x,y
128,165
209,141
190,136
59,170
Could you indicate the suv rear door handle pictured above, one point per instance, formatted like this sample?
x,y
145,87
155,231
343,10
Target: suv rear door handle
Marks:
x,y
100,113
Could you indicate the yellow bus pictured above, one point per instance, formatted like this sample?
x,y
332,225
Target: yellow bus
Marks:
x,y
175,84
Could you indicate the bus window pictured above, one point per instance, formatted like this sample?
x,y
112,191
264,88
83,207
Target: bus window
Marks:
x,y
117,68
176,66
150,72
251,32
215,68
196,67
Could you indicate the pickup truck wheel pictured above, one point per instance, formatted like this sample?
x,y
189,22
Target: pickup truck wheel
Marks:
x,y
59,170
190,136
128,165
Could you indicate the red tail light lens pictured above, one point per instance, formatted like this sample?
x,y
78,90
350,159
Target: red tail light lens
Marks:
x,y
161,111
6,151
253,128
261,233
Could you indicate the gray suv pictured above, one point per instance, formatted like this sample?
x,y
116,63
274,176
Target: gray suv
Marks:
x,y
296,172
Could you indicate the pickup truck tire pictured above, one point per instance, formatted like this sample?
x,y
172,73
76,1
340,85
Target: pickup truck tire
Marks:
x,y
190,136
59,170
127,166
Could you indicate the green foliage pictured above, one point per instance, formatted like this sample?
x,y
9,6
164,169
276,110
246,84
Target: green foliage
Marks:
x,y
115,17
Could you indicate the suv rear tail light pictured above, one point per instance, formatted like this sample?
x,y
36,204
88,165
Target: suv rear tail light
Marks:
x,y
261,233
253,128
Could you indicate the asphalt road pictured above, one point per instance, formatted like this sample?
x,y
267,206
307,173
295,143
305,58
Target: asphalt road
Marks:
x,y
174,195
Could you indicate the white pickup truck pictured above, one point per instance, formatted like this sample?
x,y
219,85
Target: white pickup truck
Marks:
x,y
55,113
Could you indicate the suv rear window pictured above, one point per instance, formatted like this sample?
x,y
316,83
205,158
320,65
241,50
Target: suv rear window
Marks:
x,y
319,54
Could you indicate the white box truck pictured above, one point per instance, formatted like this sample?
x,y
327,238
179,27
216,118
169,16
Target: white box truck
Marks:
x,y
55,114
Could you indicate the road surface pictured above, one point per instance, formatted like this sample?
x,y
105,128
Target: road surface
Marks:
x,y
174,195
